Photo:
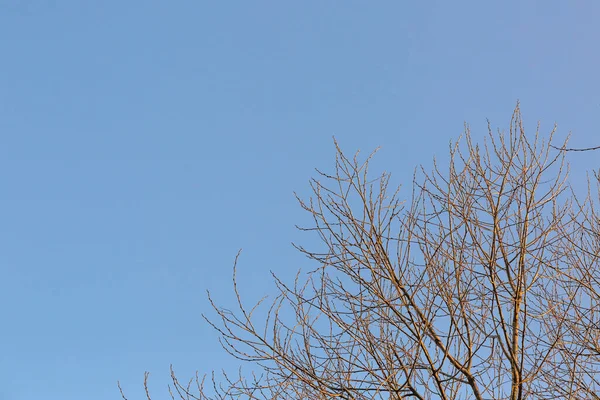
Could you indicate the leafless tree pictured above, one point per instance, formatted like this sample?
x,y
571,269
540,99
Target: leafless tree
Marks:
x,y
483,284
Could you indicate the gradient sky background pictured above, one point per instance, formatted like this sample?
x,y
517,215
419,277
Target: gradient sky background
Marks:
x,y
142,143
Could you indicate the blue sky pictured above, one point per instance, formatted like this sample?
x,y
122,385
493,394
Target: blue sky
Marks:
x,y
142,143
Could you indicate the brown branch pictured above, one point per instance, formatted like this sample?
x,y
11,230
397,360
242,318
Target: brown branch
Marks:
x,y
575,149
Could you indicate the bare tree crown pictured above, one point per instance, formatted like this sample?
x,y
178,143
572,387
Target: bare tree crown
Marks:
x,y
484,284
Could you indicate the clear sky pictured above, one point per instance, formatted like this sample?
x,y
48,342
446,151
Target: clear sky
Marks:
x,y
142,143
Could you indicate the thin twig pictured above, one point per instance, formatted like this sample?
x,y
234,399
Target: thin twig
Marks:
x,y
575,149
